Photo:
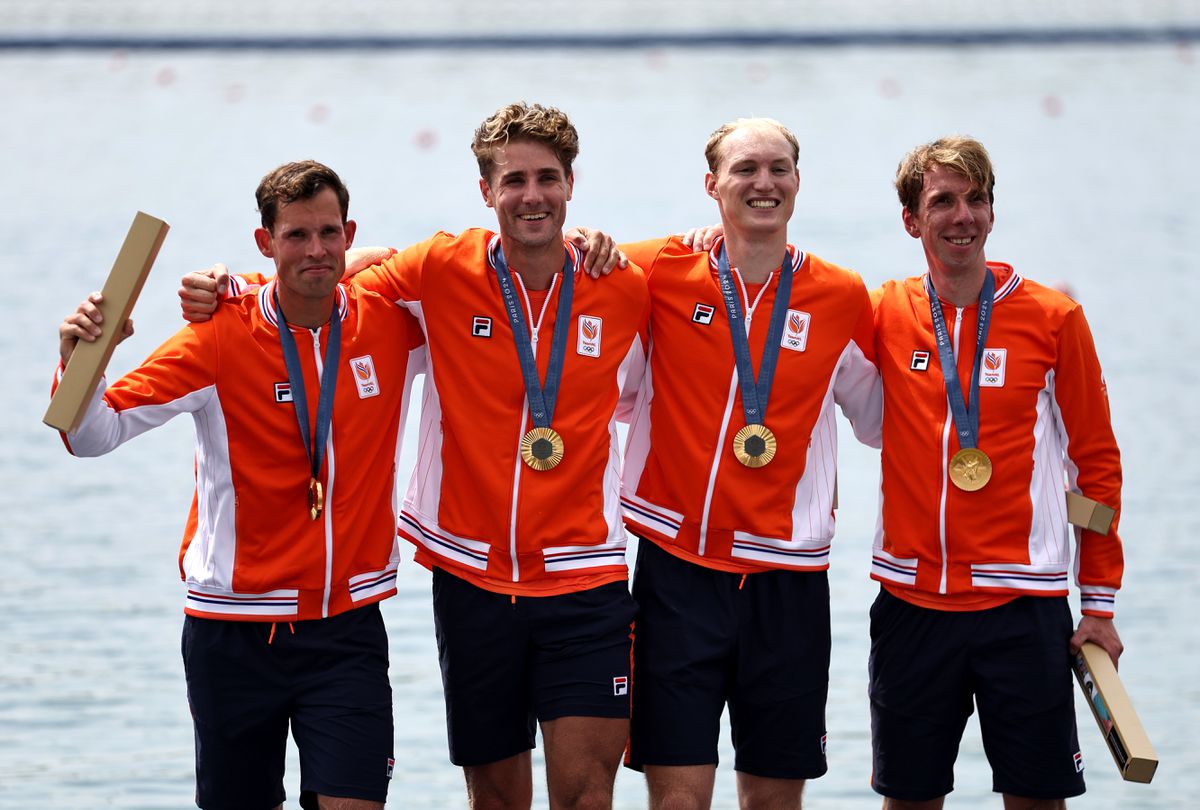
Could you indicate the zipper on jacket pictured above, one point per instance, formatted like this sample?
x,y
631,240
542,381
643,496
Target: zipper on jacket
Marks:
x,y
942,584
725,417
534,328
327,512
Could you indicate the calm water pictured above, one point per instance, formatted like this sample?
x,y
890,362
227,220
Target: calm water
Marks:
x,y
1095,152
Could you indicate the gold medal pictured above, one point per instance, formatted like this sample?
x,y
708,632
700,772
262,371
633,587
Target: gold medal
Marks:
x,y
541,448
970,469
754,445
316,498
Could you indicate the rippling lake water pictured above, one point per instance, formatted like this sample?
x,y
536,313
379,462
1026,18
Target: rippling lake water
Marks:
x,y
1095,150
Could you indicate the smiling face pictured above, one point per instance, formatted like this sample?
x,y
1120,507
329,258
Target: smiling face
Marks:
x,y
529,189
953,218
308,243
754,181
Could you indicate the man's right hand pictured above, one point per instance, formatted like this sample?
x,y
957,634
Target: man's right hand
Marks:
x,y
84,324
200,292
703,238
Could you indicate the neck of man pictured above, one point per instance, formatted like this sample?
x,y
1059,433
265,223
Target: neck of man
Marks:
x,y
535,265
756,257
959,288
311,313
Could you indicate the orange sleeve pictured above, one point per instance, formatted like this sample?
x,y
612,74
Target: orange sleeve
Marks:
x,y
645,254
398,278
1093,459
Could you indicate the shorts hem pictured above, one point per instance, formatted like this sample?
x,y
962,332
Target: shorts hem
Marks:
x,y
1045,795
486,759
910,795
640,763
779,773
598,712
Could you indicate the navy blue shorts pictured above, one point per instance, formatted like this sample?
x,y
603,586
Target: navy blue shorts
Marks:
x,y
926,667
706,639
507,664
328,678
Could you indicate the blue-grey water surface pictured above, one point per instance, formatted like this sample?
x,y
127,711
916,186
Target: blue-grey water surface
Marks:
x,y
1095,149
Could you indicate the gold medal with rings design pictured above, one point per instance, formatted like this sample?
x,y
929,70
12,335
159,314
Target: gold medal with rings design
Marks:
x,y
970,469
542,448
754,445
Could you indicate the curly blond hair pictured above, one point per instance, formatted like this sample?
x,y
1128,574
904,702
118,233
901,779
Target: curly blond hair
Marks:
x,y
521,121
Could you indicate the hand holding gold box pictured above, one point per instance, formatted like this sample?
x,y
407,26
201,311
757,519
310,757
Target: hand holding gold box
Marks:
x,y
1119,724
121,290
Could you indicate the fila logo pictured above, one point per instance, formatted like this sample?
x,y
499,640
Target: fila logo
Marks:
x,y
391,766
824,738
992,373
588,343
481,326
920,361
795,330
620,685
1078,762
283,392
364,376
703,314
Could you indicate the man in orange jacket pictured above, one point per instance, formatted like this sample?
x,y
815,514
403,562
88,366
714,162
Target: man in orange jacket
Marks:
x,y
994,402
730,481
297,394
515,502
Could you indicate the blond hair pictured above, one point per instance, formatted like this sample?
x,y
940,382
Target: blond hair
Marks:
x,y
960,154
525,122
712,149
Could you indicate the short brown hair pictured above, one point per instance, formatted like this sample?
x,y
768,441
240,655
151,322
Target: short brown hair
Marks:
x,y
301,180
525,122
712,149
958,153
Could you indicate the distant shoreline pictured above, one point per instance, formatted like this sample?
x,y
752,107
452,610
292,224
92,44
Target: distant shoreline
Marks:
x,y
623,40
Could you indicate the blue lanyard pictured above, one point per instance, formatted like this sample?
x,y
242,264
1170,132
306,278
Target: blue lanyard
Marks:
x,y
755,393
541,398
291,358
966,421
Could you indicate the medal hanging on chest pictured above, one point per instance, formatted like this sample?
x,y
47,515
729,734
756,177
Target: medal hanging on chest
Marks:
x,y
291,358
970,468
542,447
754,445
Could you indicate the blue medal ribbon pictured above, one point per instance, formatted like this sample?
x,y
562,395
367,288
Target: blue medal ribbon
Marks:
x,y
966,420
755,394
291,358
541,397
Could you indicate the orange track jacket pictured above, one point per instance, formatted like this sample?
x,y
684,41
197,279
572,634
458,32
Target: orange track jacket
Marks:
x,y
683,487
1044,422
473,507
251,552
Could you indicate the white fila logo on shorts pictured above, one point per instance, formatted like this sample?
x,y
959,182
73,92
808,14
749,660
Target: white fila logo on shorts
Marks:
x,y
391,767
795,330
824,739
588,343
1078,762
481,326
703,314
364,376
992,373
620,685
920,361
283,392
